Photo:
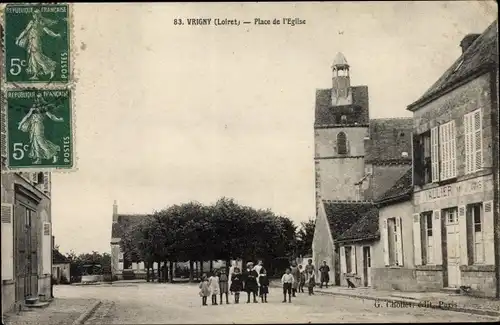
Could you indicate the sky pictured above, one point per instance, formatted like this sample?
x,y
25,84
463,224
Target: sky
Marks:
x,y
167,114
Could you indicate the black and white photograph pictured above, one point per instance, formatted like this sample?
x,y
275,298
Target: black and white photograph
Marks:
x,y
249,162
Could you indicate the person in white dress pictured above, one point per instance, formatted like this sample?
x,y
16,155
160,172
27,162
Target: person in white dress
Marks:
x,y
231,271
213,284
257,268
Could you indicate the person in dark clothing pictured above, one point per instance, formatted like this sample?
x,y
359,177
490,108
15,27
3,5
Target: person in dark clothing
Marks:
x,y
264,285
251,286
236,284
324,274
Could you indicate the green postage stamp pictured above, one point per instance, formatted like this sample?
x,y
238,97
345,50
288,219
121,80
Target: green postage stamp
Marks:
x,y
39,129
37,44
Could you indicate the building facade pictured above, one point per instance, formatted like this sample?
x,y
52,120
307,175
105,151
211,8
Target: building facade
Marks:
x,y
393,263
357,159
26,228
454,201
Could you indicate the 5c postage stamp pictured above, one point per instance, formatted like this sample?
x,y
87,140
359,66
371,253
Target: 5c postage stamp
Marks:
x,y
39,129
37,44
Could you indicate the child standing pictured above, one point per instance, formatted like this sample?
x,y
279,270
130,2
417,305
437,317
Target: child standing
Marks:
x,y
264,285
223,285
311,282
213,282
236,284
302,280
287,280
204,290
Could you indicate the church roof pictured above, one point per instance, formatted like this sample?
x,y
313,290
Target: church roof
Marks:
x,y
340,60
326,114
401,189
124,222
389,139
342,216
366,228
382,179
481,53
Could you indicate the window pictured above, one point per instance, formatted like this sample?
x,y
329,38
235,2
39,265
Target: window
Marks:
x,y
341,143
393,242
39,178
447,151
473,141
475,234
435,154
348,261
422,158
427,238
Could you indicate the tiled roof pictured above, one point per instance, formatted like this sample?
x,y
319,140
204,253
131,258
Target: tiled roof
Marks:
x,y
383,178
125,221
365,228
389,138
401,188
327,114
483,51
342,216
58,258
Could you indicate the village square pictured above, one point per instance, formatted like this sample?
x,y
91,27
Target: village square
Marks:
x,y
404,226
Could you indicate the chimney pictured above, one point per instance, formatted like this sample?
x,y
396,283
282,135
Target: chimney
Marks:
x,y
115,212
467,41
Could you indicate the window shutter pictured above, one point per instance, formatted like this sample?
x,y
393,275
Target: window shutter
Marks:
x,y
385,240
462,225
436,235
353,260
399,243
46,248
468,143
453,150
488,232
417,240
33,178
46,183
343,269
7,242
478,140
435,154
443,158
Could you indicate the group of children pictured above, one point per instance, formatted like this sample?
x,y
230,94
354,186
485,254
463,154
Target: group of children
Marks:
x,y
295,279
253,281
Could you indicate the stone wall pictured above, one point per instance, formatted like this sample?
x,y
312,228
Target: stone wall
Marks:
x,y
322,246
481,280
394,278
429,278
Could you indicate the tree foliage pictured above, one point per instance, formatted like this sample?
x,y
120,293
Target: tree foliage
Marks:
x,y
224,230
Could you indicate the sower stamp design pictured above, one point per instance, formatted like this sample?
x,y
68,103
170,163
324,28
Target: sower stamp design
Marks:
x,y
39,129
37,43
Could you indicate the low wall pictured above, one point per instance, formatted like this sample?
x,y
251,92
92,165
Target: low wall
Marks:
x,y
387,278
481,279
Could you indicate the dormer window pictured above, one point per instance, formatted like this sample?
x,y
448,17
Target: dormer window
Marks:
x,y
39,178
343,119
341,143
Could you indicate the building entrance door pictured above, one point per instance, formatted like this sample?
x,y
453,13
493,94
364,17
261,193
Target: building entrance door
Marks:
x,y
453,248
26,248
367,266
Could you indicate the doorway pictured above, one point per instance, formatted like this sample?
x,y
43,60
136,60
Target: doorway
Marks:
x,y
453,248
367,264
26,249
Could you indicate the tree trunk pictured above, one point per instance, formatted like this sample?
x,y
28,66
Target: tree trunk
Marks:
x,y
228,265
196,270
147,272
201,268
211,266
171,271
190,271
165,278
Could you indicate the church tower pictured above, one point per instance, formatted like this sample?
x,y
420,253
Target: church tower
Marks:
x,y
341,82
341,125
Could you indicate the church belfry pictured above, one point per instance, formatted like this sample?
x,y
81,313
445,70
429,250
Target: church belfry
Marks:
x,y
341,83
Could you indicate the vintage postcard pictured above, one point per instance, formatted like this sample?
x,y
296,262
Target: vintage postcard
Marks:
x,y
250,163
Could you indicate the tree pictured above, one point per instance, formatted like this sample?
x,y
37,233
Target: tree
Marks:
x,y
305,237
